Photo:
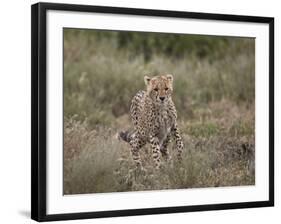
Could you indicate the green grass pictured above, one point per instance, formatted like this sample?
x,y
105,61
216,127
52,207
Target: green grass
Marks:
x,y
214,94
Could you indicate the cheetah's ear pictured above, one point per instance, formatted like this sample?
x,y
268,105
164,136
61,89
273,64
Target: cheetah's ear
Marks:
x,y
146,80
170,77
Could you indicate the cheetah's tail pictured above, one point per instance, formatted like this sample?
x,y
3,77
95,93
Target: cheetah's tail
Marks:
x,y
125,136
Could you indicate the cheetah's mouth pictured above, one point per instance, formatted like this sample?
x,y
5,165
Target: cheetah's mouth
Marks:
x,y
161,102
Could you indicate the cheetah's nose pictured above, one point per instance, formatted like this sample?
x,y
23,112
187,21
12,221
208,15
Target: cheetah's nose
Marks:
x,y
162,98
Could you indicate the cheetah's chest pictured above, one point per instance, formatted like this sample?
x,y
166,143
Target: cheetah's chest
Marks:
x,y
163,124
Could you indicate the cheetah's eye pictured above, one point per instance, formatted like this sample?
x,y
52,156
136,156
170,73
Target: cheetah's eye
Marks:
x,y
156,89
166,89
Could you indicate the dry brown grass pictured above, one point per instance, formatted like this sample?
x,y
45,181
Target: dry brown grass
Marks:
x,y
219,151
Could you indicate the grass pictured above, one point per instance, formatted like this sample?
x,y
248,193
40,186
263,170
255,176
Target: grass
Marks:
x,y
100,78
214,96
217,153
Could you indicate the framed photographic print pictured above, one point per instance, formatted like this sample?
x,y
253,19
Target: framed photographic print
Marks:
x,y
139,111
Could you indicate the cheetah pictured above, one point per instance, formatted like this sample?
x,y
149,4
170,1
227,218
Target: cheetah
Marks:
x,y
154,116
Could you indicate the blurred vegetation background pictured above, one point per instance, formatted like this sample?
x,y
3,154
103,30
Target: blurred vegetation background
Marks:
x,y
104,69
214,93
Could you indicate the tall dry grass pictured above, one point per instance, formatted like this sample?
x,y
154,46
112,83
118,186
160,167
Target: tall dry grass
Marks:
x,y
219,151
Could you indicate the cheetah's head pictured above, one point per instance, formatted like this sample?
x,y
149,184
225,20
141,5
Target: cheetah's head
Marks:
x,y
159,88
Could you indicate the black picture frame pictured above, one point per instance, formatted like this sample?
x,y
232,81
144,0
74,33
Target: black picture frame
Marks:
x,y
39,122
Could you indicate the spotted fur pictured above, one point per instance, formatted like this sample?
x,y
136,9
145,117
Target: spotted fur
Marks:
x,y
154,115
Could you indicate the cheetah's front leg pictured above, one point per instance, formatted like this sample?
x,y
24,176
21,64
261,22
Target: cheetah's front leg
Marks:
x,y
164,148
179,141
155,145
